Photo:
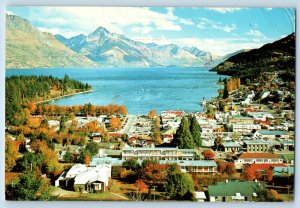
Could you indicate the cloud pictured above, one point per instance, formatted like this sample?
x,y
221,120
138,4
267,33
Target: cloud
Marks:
x,y
224,10
9,12
255,33
143,30
206,23
86,19
269,9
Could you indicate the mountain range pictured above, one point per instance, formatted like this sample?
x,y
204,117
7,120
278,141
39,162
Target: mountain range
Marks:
x,y
28,47
279,55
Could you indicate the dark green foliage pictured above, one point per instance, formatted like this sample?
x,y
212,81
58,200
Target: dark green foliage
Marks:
x,y
180,186
195,131
147,162
225,90
91,149
183,137
279,55
68,157
29,161
131,164
25,189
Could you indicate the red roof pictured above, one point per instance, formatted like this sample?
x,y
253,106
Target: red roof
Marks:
x,y
115,134
257,155
250,110
96,138
132,139
259,167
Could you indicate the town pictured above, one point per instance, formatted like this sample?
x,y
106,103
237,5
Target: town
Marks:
x,y
244,139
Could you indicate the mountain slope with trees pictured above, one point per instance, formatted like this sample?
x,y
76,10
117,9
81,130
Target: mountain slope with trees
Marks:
x,y
279,55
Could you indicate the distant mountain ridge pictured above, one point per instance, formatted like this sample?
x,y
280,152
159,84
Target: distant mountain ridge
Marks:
x,y
111,49
279,55
27,47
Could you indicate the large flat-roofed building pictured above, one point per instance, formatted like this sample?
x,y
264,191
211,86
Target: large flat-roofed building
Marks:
x,y
271,134
169,153
258,158
258,145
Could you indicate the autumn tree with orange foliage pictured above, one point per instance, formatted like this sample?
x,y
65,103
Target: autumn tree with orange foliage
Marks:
x,y
152,114
249,174
115,123
141,186
208,154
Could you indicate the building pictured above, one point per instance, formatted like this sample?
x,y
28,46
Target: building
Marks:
x,y
199,167
245,128
231,146
169,153
82,178
200,196
233,191
284,171
258,145
258,158
171,114
241,120
271,134
287,144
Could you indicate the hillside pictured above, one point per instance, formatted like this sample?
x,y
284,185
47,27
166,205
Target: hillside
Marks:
x,y
27,47
279,55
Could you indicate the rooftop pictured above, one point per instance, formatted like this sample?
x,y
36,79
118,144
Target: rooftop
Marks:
x,y
231,188
272,132
258,155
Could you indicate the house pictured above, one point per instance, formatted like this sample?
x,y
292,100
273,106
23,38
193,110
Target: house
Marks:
x,y
96,137
200,196
241,120
263,168
95,179
258,158
171,114
258,145
167,138
233,191
283,171
83,178
231,146
287,144
271,134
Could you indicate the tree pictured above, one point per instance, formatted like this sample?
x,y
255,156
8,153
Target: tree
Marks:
x,y
154,174
26,188
208,154
131,164
152,114
68,156
195,131
156,131
225,91
29,161
218,142
183,137
115,123
141,186
147,162
249,174
11,154
180,186
270,174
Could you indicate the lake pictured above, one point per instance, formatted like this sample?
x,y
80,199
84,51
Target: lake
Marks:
x,y
139,89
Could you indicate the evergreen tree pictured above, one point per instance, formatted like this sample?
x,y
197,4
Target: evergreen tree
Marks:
x,y
180,186
195,131
183,137
225,92
68,157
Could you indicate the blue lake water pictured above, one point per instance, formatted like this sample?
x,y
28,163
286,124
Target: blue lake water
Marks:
x,y
139,89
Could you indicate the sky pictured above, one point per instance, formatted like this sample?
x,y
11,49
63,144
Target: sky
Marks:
x,y
216,30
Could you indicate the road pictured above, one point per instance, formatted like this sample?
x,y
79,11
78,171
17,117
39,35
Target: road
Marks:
x,y
127,129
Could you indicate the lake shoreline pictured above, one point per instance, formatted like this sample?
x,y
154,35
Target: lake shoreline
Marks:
x,y
62,96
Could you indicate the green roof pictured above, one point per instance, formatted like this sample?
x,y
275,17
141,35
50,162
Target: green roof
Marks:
x,y
262,132
232,187
289,156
